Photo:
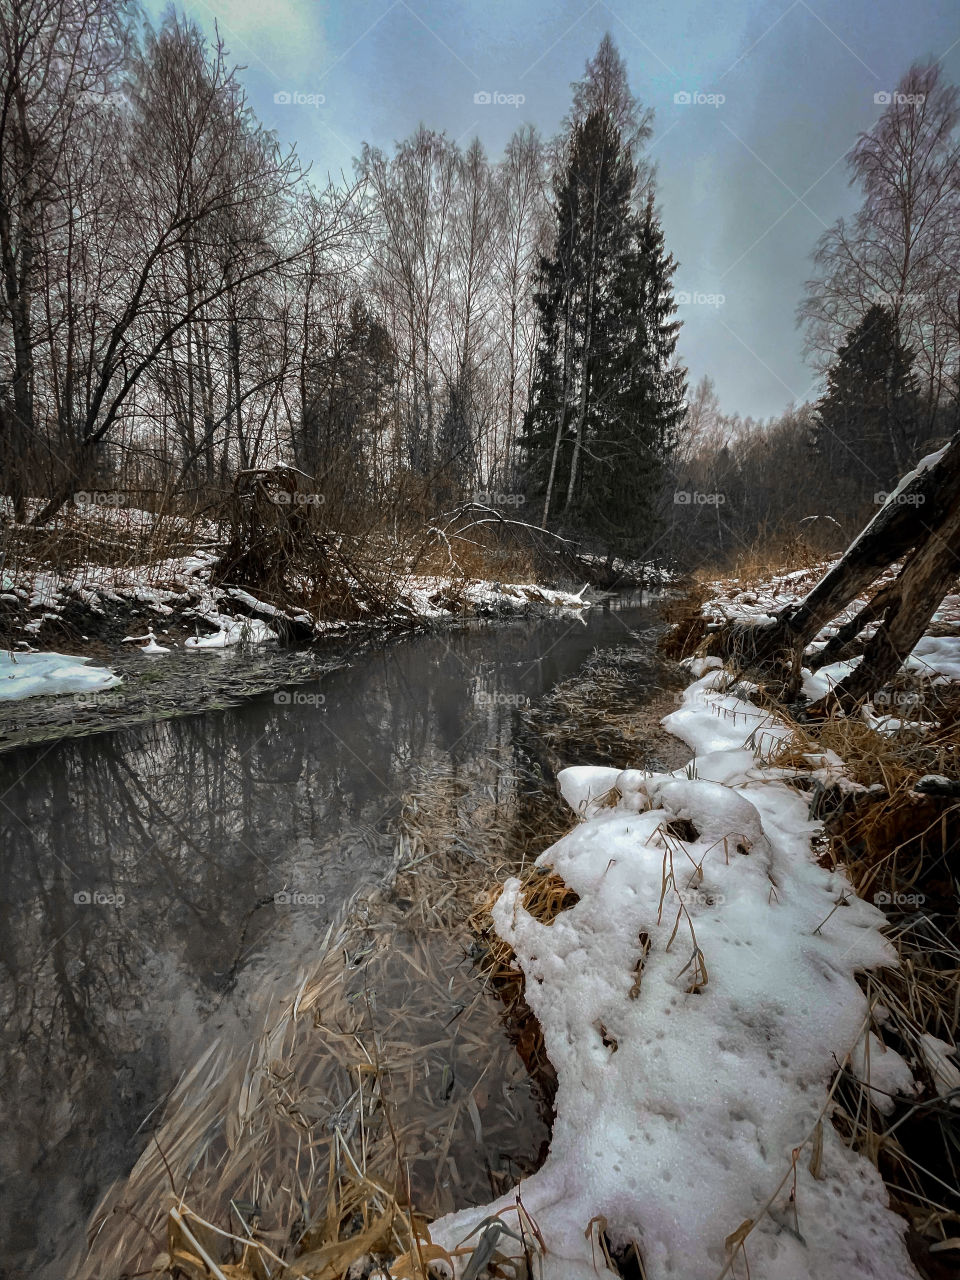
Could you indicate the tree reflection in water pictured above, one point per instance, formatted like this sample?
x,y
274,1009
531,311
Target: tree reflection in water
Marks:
x,y
181,833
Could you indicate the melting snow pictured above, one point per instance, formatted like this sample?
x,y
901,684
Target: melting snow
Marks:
x,y
695,1003
30,674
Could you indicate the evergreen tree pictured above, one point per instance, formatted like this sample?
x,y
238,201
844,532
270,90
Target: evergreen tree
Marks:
x,y
867,423
348,394
640,395
605,402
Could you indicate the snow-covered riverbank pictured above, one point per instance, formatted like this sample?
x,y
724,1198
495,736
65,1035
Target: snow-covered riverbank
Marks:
x,y
696,1003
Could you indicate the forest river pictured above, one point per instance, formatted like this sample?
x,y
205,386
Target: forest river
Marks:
x,y
136,863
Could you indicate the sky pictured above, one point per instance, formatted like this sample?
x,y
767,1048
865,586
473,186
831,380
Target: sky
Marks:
x,y
751,170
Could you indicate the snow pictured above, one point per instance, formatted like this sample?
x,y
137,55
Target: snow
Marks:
x,y
711,720
940,1057
817,684
695,1003
925,463
151,645
232,631
427,597
937,657
28,675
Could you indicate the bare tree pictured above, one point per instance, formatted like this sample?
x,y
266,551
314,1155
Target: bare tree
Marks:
x,y
901,247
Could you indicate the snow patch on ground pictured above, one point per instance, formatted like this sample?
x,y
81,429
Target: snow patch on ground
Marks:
x,y
696,1002
230,632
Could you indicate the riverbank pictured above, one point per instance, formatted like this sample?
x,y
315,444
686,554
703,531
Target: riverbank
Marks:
x,y
179,640
742,1033
756,1047
102,577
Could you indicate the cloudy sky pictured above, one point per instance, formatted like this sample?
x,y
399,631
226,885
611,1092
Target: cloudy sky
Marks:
x,y
748,176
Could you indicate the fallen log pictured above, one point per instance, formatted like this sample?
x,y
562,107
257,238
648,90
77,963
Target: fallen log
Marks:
x,y
920,520
924,580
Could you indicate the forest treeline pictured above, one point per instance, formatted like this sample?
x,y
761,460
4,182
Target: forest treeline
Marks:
x,y
182,304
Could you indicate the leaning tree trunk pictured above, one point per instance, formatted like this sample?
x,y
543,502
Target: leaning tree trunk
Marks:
x,y
923,582
923,504
846,643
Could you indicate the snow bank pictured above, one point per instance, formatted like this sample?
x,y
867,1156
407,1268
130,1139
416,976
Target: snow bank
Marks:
x,y
695,1003
935,657
232,631
28,675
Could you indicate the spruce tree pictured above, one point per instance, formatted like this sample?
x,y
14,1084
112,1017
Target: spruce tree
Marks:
x,y
867,423
605,400
640,396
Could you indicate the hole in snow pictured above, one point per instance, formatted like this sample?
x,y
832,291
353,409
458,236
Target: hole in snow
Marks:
x,y
625,1255
683,829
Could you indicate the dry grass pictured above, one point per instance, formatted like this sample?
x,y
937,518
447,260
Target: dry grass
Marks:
x,y
785,548
402,1078
606,714
382,1095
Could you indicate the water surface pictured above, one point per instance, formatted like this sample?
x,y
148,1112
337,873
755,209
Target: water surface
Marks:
x,y
139,871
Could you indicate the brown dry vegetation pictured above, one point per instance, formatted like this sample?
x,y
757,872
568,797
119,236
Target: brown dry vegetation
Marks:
x,y
404,1077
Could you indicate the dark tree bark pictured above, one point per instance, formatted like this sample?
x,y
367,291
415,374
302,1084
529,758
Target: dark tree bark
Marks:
x,y
845,644
924,526
923,506
923,582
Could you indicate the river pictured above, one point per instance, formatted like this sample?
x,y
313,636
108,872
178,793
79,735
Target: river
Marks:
x,y
133,863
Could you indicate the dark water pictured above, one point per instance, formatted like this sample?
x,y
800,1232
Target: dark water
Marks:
x,y
132,865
